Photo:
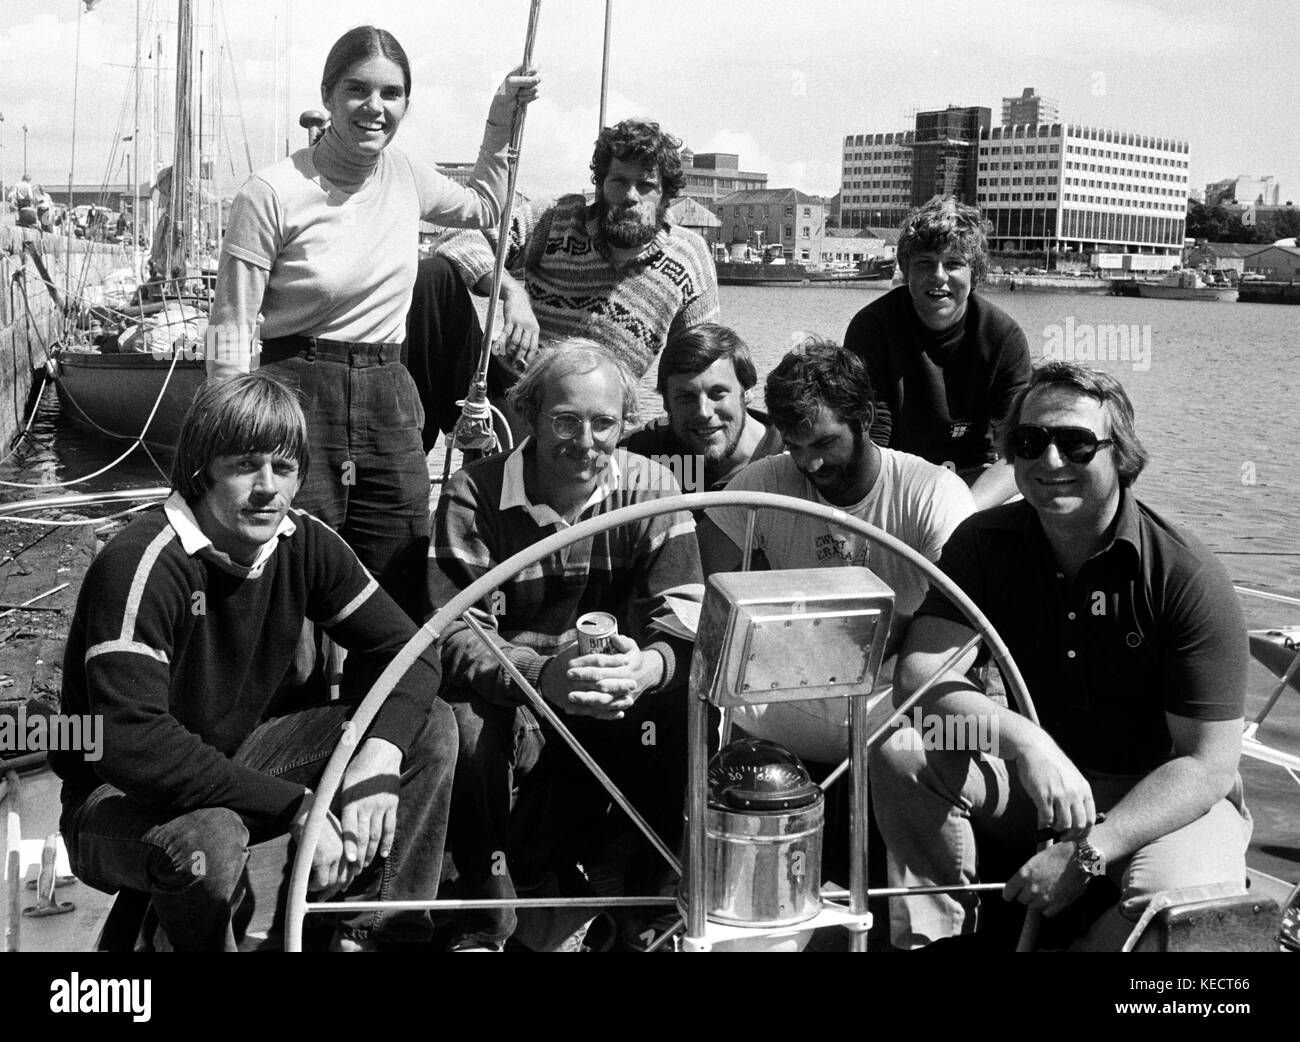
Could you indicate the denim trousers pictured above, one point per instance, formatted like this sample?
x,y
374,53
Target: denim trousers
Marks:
x,y
523,802
932,805
368,478
193,864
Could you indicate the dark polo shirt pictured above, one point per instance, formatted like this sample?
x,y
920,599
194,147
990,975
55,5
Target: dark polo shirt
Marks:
x,y
1151,625
940,395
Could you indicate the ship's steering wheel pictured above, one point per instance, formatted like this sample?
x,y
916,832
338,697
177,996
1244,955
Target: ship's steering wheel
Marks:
x,y
477,591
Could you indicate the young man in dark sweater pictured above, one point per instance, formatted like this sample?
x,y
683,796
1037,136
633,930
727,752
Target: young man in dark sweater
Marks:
x,y
945,363
183,642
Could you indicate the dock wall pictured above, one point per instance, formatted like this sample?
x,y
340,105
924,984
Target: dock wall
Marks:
x,y
29,321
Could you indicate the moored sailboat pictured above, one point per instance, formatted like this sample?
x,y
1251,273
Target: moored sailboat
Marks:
x,y
128,368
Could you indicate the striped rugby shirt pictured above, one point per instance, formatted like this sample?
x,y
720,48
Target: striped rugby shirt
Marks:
x,y
484,517
557,251
182,652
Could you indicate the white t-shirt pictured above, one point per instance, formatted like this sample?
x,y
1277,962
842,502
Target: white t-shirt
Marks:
x,y
913,500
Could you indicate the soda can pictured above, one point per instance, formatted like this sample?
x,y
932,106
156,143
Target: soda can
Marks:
x,y
595,632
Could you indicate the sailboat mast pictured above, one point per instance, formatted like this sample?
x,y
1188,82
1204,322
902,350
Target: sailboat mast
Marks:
x,y
288,86
199,216
135,154
182,164
156,136
218,135
275,83
604,65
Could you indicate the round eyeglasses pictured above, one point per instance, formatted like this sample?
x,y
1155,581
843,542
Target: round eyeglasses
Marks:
x,y
1077,444
568,425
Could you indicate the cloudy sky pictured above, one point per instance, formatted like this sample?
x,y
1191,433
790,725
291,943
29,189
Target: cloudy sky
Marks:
x,y
778,81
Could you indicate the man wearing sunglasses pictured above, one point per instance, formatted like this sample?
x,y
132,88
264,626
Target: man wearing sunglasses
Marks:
x,y
625,705
945,363
1132,644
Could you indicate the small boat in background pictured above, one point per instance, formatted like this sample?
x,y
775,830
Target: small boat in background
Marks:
x,y
742,273
1185,285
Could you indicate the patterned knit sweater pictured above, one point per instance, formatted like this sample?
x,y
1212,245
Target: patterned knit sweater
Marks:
x,y
557,251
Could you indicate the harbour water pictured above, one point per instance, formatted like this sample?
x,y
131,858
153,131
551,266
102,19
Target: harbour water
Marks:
x,y
1215,400
1214,386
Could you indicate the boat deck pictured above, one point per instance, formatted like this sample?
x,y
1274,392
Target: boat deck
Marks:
x,y
1272,794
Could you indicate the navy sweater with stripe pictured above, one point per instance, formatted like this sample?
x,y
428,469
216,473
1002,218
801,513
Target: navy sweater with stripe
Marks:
x,y
183,658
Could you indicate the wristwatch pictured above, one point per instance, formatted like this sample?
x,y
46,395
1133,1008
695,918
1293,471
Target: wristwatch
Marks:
x,y
1089,859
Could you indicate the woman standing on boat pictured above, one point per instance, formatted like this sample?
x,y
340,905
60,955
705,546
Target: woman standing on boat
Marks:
x,y
322,248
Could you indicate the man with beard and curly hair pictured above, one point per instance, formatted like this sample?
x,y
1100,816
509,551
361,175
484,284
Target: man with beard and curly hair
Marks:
x,y
615,270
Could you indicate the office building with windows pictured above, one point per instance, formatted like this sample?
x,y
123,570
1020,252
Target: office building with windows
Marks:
x,y
876,185
1030,107
711,175
1043,184
764,218
1066,188
1244,190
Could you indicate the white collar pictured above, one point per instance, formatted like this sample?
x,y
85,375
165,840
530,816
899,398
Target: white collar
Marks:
x,y
513,493
195,543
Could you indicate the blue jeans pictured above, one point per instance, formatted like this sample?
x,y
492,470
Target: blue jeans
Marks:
x,y
193,864
368,478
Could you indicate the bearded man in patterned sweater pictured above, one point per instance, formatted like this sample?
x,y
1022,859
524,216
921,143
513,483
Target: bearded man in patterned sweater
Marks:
x,y
616,271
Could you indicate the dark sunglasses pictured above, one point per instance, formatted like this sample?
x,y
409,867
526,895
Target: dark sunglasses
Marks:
x,y
1077,444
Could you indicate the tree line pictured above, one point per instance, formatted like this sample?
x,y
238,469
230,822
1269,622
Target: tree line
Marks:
x,y
1215,224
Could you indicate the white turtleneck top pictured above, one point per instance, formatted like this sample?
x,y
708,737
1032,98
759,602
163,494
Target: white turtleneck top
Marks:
x,y
341,261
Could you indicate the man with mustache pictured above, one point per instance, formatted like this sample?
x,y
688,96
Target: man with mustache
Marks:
x,y
944,362
706,379
184,643
626,705
616,271
820,399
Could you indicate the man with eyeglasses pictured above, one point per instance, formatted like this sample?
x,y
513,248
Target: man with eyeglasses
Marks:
x,y
626,706
616,270
1132,644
